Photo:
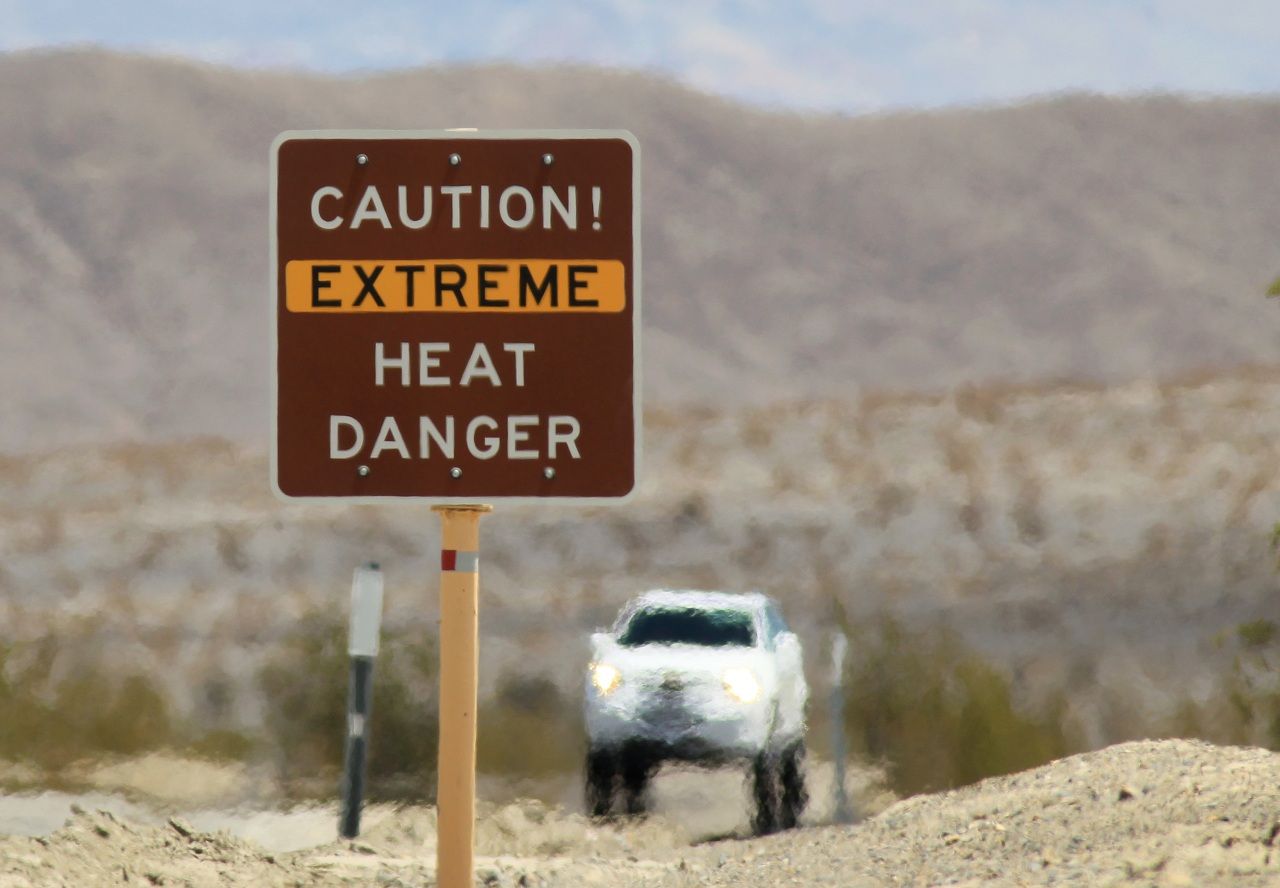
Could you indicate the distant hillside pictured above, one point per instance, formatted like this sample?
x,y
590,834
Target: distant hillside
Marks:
x,y
1098,543
784,255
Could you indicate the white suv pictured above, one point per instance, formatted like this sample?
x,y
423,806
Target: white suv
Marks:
x,y
704,677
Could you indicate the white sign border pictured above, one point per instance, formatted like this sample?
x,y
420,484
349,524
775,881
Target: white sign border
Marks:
x,y
498,135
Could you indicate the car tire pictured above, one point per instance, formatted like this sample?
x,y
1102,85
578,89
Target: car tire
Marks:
x,y
637,768
601,776
764,794
793,797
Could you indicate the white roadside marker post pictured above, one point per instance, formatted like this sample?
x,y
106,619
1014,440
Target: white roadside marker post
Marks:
x,y
459,668
841,810
362,646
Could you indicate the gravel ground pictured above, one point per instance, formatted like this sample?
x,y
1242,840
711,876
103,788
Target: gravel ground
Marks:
x,y
1150,813
1166,813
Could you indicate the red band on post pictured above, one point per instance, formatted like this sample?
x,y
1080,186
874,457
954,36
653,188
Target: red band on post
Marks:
x,y
448,559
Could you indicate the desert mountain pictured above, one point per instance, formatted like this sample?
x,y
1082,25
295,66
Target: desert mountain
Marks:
x,y
785,256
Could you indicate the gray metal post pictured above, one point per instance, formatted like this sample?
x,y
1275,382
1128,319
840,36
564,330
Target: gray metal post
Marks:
x,y
359,707
842,811
362,645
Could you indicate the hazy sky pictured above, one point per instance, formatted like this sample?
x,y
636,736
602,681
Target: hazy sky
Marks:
x,y
855,56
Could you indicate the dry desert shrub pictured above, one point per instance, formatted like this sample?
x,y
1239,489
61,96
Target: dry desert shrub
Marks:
x,y
1261,480
60,703
971,515
937,714
304,684
547,722
1028,515
891,500
982,404
1139,452
961,452
757,429
1244,705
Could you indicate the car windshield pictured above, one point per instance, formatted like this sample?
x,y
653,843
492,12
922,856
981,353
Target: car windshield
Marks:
x,y
690,625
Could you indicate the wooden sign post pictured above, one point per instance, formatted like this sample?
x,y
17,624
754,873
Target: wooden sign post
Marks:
x,y
459,666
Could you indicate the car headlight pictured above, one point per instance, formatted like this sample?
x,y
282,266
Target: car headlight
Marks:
x,y
606,678
741,685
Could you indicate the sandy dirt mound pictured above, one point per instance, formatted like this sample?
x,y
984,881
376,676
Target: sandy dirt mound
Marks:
x,y
168,779
1151,813
1166,813
523,844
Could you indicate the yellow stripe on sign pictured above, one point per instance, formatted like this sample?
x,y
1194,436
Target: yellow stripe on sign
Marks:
x,y
455,285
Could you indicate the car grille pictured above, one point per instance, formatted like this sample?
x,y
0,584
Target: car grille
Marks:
x,y
666,709
672,684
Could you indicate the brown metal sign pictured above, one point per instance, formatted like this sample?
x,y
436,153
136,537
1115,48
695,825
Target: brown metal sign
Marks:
x,y
456,314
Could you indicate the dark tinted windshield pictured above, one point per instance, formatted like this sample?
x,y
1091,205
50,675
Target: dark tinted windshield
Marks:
x,y
690,625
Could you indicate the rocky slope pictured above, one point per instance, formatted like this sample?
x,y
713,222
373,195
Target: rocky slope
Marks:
x,y
785,256
1097,542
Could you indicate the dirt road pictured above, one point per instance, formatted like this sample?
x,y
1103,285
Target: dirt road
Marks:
x,y
1149,813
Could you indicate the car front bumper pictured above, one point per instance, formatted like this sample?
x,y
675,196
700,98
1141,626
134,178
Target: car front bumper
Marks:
x,y
672,727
